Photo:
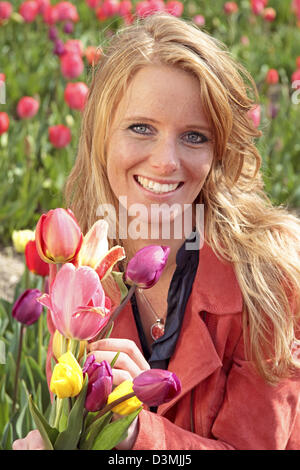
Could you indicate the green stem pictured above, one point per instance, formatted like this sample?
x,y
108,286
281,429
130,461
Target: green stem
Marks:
x,y
18,367
59,404
111,405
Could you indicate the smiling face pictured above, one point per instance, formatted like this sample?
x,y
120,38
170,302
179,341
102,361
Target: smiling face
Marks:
x,y
160,147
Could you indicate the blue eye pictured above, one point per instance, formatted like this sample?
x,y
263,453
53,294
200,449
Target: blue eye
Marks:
x,y
139,128
196,138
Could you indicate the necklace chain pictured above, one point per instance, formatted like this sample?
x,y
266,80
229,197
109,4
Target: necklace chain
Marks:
x,y
157,329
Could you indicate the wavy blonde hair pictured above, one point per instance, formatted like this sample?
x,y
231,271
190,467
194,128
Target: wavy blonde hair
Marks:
x,y
241,225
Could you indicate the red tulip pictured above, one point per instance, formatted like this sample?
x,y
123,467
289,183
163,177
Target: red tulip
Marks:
x,y
26,309
59,136
258,6
5,10
4,122
58,236
254,115
27,107
296,8
230,7
296,78
269,14
71,65
76,94
33,260
66,11
174,7
29,10
272,76
2,77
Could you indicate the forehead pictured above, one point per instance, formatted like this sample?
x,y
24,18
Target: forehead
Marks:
x,y
162,92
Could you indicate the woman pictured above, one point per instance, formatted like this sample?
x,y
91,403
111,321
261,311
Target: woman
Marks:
x,y
167,122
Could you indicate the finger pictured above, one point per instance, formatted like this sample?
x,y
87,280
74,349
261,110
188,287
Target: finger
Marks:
x,y
35,440
126,345
123,361
20,444
120,376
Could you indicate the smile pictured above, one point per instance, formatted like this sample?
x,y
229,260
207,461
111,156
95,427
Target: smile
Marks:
x,y
155,187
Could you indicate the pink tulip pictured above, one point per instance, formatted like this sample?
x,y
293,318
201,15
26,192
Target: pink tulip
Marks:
x,y
71,65
296,78
77,302
58,236
5,10
66,11
258,6
59,135
29,10
199,20
74,46
27,107
174,7
156,386
125,7
50,15
296,8
254,115
76,94
148,7
110,8
147,265
4,122
42,5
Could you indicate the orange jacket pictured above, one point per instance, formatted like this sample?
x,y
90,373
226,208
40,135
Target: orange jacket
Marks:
x,y
224,403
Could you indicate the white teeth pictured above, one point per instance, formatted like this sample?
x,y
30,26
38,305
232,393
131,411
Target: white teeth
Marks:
x,y
156,187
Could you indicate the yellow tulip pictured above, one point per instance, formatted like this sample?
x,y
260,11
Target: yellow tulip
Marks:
x,y
67,377
128,406
20,239
60,344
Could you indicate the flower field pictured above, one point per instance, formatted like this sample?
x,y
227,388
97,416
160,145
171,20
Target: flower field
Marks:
x,y
48,52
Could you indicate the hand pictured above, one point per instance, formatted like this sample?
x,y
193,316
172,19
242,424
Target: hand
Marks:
x,y
132,433
33,441
130,362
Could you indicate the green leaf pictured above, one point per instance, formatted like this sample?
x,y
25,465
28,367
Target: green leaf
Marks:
x,y
48,433
118,277
87,440
114,432
114,359
68,439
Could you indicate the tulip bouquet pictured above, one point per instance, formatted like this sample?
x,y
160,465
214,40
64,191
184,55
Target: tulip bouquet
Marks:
x,y
82,309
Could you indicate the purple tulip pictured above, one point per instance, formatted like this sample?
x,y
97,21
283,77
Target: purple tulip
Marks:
x,y
68,27
26,309
52,33
99,385
156,386
59,47
146,266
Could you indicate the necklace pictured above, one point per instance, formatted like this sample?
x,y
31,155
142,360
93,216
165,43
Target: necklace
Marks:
x,y
157,329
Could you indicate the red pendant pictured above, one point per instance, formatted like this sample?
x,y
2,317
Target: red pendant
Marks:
x,y
157,330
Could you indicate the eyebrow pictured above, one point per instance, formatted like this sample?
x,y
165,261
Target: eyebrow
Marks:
x,y
144,118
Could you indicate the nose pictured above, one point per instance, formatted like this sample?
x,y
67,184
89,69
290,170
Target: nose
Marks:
x,y
164,157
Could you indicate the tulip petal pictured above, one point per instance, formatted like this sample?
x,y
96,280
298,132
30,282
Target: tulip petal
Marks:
x,y
95,245
71,289
87,322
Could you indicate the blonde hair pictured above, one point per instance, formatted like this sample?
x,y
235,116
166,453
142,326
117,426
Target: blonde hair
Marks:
x,y
241,225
